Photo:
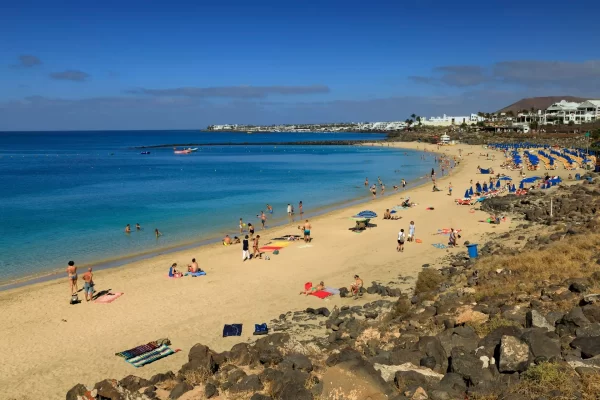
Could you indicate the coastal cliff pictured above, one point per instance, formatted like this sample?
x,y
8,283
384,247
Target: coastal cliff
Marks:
x,y
520,322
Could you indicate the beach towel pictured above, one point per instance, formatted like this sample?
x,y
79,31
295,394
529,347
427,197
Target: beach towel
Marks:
x,y
266,249
108,298
439,245
305,246
331,290
136,351
194,274
261,329
418,241
321,294
232,330
151,356
280,243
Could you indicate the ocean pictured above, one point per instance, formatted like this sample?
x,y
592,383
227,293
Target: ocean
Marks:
x,y
68,195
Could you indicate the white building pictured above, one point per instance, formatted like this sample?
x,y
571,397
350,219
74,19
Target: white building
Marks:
x,y
564,112
447,120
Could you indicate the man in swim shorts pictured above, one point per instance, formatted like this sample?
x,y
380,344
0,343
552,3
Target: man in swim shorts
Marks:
x,y
193,267
401,237
245,246
88,284
307,227
226,240
72,274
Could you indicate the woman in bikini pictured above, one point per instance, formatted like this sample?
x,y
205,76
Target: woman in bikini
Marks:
x,y
255,251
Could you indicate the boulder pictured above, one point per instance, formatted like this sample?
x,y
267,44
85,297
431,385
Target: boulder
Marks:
x,y
210,390
431,346
467,365
589,346
298,361
158,378
533,319
592,312
258,396
461,336
243,354
344,292
573,319
250,383
389,372
108,389
200,357
76,391
357,377
514,354
542,344
346,354
179,390
588,330
134,383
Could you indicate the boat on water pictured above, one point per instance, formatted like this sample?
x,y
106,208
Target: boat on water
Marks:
x,y
184,151
145,152
192,150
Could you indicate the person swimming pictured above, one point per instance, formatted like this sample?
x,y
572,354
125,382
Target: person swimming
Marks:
x,y
127,228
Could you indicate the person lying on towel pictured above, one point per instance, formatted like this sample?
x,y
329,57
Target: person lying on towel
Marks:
x,y
173,273
320,286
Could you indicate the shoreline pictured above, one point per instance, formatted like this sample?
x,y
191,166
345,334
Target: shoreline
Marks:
x,y
193,310
210,240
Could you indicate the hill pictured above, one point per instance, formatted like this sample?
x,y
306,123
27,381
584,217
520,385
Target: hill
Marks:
x,y
538,103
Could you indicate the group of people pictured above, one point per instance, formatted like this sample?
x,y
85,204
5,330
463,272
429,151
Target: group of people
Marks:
x,y
88,281
355,287
373,188
192,268
139,228
403,238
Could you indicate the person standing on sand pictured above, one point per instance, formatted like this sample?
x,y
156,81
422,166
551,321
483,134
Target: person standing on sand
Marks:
x,y
450,189
241,226
263,219
307,227
72,274
255,245
245,252
401,238
127,228
411,231
251,229
88,284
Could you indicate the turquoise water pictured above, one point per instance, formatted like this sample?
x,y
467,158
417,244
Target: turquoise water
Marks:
x,y
68,195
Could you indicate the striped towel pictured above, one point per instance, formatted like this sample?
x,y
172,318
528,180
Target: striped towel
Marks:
x,y
151,356
136,351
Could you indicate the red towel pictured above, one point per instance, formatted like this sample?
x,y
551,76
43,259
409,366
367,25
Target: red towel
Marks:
x,y
307,286
321,294
270,248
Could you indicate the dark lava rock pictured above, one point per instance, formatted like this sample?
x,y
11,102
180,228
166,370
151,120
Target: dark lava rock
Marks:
x,y
346,354
258,396
428,362
158,378
371,314
243,354
588,330
250,383
431,346
108,389
298,361
200,357
210,391
75,391
134,383
344,292
179,390
324,311
542,344
572,320
590,346
577,287
467,365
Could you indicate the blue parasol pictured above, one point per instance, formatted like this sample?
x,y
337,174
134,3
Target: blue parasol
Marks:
x,y
366,214
471,191
505,178
497,184
467,195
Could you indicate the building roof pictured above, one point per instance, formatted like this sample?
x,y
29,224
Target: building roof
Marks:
x,y
563,105
592,103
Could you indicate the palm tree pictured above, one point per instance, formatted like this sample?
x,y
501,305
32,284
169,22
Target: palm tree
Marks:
x,y
413,116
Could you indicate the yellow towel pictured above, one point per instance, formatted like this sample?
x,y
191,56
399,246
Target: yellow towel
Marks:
x,y
280,244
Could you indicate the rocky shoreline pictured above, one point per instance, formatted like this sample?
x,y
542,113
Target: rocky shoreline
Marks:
x,y
520,322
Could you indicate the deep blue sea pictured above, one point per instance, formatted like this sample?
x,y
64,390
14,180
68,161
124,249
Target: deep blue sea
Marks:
x,y
68,195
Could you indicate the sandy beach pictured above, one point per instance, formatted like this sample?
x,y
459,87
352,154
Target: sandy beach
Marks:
x,y
49,346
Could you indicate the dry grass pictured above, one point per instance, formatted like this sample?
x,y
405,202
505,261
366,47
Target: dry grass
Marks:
x,y
568,258
485,328
428,280
169,384
197,376
540,380
590,386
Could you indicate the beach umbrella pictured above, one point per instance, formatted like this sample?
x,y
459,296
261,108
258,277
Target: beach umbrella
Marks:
x,y
366,214
471,191
505,178
521,185
467,195
497,183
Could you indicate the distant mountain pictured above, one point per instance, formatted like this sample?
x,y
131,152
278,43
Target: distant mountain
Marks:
x,y
538,103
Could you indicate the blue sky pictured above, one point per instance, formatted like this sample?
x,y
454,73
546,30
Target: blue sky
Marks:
x,y
184,65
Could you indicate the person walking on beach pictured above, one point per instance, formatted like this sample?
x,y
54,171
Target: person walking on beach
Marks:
x,y
401,237
241,226
245,252
127,228
157,233
307,227
88,284
255,244
403,184
251,229
450,189
411,231
72,274
289,209
263,219
300,208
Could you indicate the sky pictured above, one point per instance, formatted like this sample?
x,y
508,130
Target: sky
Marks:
x,y
96,65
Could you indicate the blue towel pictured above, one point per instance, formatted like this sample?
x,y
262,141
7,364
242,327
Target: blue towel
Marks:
x,y
261,329
199,273
232,330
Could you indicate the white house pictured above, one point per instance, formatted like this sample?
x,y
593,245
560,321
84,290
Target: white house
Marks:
x,y
587,111
447,120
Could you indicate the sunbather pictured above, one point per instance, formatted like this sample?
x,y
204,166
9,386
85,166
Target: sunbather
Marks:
x,y
193,267
173,273
226,240
320,286
356,286
388,215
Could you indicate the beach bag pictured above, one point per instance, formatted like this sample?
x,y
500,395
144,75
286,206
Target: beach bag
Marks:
x,y
276,252
74,299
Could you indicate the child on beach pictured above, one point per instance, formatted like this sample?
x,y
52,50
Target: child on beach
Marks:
x,y
411,231
401,237
450,189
